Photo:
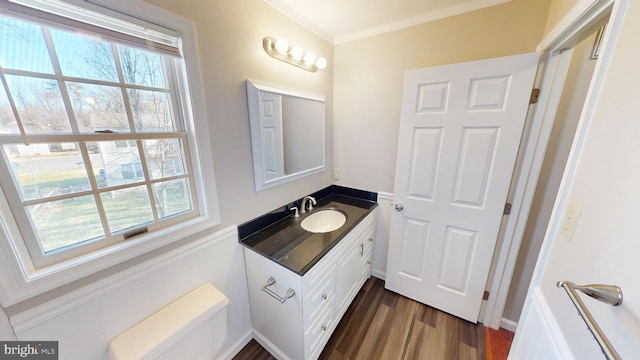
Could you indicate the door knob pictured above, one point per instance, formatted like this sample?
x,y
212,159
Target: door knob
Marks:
x,y
399,207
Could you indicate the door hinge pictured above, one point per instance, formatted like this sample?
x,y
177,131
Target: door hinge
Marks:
x,y
507,209
535,94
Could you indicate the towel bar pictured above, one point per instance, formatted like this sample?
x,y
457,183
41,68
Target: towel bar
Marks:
x,y
609,294
290,293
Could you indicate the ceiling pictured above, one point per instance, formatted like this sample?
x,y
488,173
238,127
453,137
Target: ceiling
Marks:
x,y
340,21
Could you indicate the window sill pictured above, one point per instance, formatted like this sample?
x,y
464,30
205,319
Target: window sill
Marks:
x,y
18,283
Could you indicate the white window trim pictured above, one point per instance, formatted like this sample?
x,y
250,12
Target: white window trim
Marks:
x,y
19,280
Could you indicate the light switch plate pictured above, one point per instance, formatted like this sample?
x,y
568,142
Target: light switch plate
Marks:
x,y
336,173
570,220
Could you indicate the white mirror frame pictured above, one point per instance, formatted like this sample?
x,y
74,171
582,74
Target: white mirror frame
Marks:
x,y
257,142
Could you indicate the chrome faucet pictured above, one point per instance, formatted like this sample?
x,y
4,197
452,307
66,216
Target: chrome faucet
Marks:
x,y
303,208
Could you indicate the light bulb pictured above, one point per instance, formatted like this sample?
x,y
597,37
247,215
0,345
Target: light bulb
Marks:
x,y
321,63
282,46
296,53
309,58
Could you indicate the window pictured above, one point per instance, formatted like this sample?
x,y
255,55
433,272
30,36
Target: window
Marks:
x,y
97,139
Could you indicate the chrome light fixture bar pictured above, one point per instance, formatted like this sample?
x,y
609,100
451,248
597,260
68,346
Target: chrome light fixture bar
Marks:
x,y
294,55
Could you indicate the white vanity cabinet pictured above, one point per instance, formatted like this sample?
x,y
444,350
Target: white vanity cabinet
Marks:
x,y
300,327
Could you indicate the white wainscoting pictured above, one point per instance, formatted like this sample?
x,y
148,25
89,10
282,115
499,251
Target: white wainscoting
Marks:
x,y
84,321
539,336
381,245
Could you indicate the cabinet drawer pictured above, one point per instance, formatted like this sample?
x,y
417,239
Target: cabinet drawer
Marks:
x,y
321,297
316,337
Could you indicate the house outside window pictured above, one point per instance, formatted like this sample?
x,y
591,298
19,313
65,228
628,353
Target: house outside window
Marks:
x,y
97,137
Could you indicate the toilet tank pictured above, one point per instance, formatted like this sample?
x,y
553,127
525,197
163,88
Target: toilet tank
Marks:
x,y
192,327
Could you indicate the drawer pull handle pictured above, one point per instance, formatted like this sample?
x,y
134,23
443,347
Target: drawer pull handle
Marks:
x,y
290,293
324,327
324,296
361,249
368,262
371,239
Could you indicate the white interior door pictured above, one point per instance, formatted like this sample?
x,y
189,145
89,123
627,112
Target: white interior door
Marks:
x,y
271,116
460,130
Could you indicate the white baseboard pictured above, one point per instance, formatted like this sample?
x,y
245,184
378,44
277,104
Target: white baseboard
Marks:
x,y
237,347
508,324
382,275
269,346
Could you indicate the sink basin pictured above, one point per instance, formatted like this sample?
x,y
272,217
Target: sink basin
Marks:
x,y
324,221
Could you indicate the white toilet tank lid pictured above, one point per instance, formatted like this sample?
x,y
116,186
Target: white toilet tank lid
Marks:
x,y
160,330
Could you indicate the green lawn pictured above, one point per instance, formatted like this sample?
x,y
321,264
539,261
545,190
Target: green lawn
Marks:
x,y
55,177
71,221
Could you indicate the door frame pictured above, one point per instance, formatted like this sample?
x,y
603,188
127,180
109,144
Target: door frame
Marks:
x,y
581,20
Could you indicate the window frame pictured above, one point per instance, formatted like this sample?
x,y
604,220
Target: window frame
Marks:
x,y
20,279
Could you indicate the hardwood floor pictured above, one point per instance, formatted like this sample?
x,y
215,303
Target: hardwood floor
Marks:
x,y
381,324
498,343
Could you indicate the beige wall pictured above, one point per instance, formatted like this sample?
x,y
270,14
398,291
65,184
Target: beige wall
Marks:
x,y
230,37
362,85
558,9
369,74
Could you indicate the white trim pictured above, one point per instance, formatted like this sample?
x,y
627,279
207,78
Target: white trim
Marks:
x,y
540,123
385,195
392,26
581,18
254,96
508,324
607,48
381,244
237,346
379,274
294,15
269,346
84,15
540,336
19,282
37,315
565,33
263,86
419,19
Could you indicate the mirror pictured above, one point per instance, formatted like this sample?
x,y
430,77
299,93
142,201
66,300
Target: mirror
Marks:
x,y
287,134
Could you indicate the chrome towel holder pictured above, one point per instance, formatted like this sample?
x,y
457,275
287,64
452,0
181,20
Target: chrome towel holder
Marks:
x,y
608,294
290,293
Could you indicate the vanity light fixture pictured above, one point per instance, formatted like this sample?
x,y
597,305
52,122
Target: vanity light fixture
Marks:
x,y
294,55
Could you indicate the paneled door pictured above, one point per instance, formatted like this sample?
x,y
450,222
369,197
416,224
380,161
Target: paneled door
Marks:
x,y
460,130
271,115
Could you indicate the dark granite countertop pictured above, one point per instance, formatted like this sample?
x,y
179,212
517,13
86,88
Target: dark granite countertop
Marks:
x,y
288,244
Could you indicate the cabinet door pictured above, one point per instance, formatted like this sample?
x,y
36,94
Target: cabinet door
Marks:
x,y
347,276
